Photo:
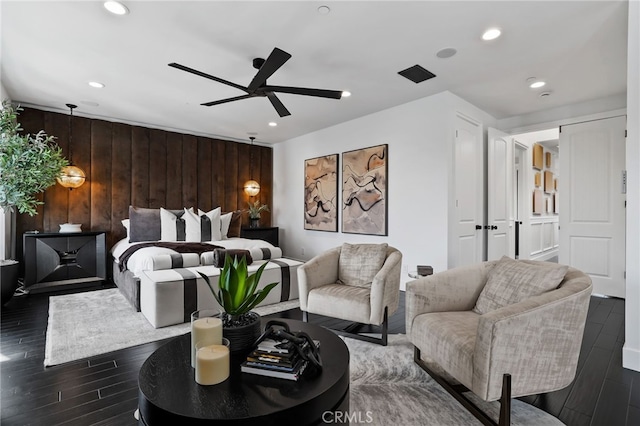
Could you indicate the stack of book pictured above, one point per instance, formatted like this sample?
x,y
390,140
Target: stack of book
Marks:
x,y
276,359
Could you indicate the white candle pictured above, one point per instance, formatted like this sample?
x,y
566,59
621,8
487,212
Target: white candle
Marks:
x,y
207,331
212,364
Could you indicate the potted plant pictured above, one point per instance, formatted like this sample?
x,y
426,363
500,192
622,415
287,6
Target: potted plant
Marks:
x,y
237,293
29,164
254,213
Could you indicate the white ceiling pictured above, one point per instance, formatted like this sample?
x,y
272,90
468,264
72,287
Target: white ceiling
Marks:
x,y
51,49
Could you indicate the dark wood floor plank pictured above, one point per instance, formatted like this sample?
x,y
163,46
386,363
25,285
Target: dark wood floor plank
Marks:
x,y
589,382
633,416
613,404
102,390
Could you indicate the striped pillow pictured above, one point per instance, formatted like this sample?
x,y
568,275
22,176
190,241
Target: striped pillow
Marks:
x,y
172,226
210,225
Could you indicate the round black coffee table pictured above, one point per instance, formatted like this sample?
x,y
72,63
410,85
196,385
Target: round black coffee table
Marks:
x,y
169,394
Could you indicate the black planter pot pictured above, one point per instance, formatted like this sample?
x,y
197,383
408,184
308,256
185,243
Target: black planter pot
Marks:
x,y
242,338
254,223
8,279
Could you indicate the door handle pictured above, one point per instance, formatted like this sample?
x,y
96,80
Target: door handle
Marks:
x,y
478,227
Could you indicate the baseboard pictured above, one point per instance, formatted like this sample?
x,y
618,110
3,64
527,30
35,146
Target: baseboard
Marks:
x,y
630,358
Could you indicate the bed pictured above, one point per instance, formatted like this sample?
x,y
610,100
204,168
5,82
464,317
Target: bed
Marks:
x,y
159,275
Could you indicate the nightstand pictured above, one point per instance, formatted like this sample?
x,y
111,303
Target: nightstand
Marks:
x,y
269,234
53,260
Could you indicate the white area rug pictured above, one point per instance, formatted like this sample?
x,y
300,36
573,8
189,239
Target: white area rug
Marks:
x,y
86,324
388,388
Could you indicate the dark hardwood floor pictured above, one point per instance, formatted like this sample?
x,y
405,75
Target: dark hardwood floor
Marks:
x,y
102,390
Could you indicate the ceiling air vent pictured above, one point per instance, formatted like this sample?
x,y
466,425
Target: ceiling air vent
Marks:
x,y
417,74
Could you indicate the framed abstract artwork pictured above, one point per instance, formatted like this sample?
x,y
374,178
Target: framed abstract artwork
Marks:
x,y
538,152
364,190
321,193
548,182
538,202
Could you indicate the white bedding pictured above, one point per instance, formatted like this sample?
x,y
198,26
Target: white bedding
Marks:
x,y
142,260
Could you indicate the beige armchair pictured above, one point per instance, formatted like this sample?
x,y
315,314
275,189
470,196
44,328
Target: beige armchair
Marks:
x,y
354,282
483,329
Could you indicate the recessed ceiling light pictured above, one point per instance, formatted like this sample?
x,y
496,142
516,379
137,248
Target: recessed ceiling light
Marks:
x,y
545,94
491,34
273,124
96,84
116,7
346,94
535,83
324,10
446,53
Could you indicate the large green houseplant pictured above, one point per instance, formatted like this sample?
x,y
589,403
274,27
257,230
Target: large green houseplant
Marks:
x,y
237,293
29,164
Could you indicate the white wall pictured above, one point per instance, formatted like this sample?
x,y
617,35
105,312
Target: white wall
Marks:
x,y
420,136
631,350
3,92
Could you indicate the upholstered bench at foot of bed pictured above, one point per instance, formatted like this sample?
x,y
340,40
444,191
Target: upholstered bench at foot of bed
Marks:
x,y
169,296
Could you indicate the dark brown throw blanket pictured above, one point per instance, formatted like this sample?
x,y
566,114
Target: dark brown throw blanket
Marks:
x,y
180,247
220,255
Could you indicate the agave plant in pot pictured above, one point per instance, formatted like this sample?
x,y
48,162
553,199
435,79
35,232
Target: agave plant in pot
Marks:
x,y
237,293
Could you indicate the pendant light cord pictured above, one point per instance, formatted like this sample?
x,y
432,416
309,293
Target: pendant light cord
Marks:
x,y
251,158
71,107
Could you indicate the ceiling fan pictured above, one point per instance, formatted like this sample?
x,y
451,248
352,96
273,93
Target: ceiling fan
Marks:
x,y
259,86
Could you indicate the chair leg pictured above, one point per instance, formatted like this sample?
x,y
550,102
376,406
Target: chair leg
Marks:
x,y
505,401
350,331
305,316
457,392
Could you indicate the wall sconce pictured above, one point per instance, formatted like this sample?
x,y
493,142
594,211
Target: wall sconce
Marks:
x,y
251,187
71,176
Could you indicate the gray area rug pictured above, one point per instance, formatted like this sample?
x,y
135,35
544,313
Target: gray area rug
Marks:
x,y
388,388
86,324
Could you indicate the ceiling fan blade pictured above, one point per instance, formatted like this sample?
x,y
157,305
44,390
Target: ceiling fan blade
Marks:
x,y
276,59
282,110
321,93
224,101
205,75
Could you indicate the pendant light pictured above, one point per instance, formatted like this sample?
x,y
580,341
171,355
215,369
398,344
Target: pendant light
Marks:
x,y
71,176
251,187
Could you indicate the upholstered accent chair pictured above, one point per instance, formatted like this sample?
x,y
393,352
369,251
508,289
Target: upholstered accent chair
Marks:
x,y
355,282
499,329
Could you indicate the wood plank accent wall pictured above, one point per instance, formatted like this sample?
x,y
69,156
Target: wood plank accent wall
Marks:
x,y
132,165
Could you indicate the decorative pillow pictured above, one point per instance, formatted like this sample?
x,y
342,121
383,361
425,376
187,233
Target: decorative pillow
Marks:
x,y
144,224
172,225
359,263
511,281
219,256
235,225
126,223
225,221
175,260
210,224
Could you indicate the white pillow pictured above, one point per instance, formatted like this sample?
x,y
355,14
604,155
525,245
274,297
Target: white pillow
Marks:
x,y
172,225
213,233
225,222
126,222
192,226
